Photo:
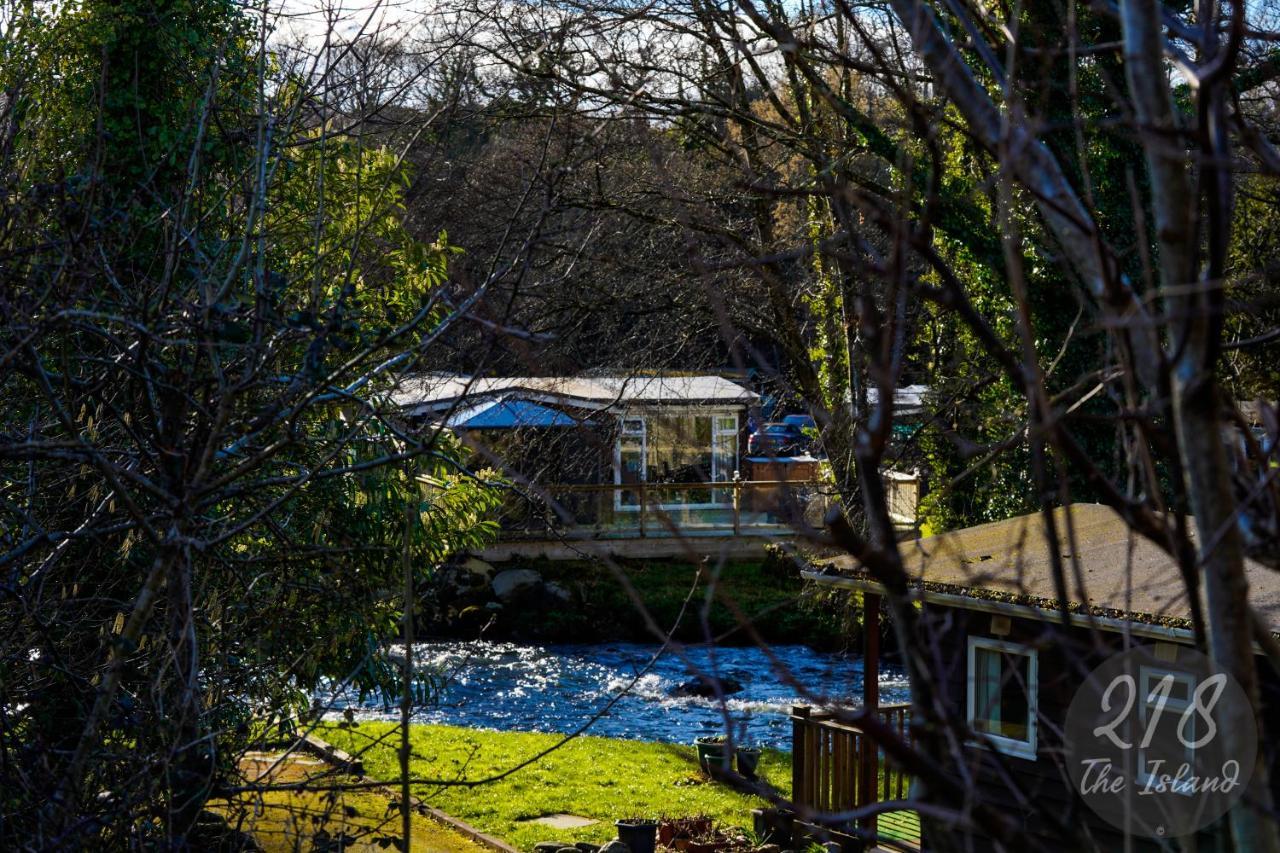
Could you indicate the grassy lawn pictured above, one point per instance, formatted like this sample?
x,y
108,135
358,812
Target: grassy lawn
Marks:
x,y
593,777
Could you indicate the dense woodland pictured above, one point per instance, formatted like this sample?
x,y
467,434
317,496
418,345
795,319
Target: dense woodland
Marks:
x,y
223,242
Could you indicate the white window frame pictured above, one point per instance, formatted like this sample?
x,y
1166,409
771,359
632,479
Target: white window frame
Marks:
x,y
634,425
1007,745
718,476
630,426
1148,678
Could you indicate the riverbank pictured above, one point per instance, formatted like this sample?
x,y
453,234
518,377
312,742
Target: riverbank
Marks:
x,y
596,779
589,601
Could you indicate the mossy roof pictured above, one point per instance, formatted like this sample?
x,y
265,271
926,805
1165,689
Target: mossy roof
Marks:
x,y
1120,574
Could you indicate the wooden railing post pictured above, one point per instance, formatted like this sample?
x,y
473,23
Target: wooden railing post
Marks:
x,y
737,504
836,766
869,760
800,795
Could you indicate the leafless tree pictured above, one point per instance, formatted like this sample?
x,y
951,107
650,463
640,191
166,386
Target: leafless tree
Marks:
x,y
855,117
200,338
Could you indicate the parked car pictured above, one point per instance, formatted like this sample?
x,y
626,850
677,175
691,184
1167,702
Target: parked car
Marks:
x,y
809,429
806,423
778,439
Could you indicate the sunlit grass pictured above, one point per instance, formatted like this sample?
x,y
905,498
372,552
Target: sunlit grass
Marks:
x,y
357,820
598,778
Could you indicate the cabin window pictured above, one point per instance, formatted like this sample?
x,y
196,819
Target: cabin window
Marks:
x,y
674,455
1002,695
1165,695
679,449
724,454
630,469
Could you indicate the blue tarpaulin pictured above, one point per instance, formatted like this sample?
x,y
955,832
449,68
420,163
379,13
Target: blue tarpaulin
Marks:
x,y
511,414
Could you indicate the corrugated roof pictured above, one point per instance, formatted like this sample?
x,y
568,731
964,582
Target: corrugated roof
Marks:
x,y
436,391
1123,573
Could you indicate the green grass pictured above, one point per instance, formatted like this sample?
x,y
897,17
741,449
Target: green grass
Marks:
x,y
287,821
594,777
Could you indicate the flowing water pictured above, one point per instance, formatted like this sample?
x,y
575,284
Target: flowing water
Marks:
x,y
514,687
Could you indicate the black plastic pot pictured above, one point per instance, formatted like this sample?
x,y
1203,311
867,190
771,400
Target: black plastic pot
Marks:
x,y
748,760
773,826
639,836
711,753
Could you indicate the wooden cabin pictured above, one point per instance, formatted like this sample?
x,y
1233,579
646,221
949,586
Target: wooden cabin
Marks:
x,y
619,454
1009,667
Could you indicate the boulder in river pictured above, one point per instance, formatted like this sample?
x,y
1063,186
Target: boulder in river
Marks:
x,y
506,585
707,687
558,592
477,566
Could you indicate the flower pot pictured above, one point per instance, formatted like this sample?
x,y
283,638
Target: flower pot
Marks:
x,y
672,832
773,826
712,753
639,836
748,760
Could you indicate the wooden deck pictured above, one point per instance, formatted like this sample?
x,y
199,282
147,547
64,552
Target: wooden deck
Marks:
x,y
621,510
733,519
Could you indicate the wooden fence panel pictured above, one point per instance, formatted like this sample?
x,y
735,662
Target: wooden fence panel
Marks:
x,y
837,767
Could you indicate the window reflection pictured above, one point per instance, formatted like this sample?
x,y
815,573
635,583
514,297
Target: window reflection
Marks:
x,y
667,451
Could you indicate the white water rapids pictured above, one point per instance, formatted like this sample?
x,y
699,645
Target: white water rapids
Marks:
x,y
508,686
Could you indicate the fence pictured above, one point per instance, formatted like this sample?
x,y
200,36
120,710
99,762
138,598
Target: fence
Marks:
x,y
663,509
837,767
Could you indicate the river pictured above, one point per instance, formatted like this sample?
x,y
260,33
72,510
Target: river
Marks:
x,y
514,687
